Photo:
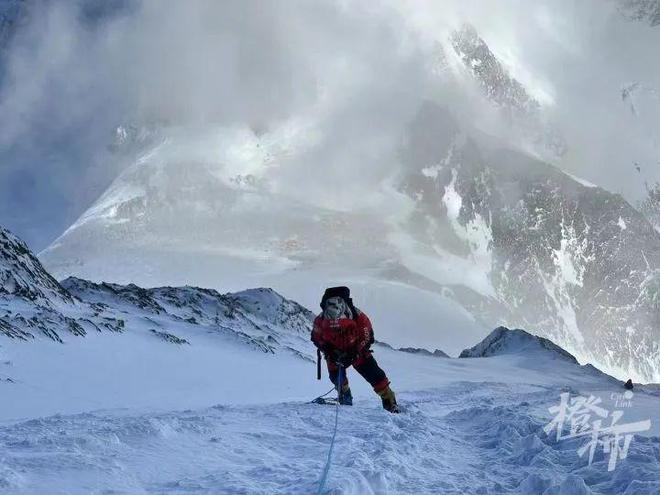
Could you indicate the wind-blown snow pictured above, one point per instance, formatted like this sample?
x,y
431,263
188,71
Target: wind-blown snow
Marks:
x,y
580,180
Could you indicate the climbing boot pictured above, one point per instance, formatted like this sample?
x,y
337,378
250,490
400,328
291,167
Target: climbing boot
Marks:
x,y
389,400
345,396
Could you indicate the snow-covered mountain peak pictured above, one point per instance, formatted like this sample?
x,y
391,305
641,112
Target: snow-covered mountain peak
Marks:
x,y
520,105
535,247
31,300
21,274
260,318
274,308
503,340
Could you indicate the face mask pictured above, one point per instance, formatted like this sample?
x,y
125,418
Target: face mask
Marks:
x,y
335,308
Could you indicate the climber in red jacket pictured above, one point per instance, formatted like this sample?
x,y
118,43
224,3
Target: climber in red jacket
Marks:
x,y
344,334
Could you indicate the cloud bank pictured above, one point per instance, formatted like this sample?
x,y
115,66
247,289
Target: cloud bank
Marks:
x,y
340,80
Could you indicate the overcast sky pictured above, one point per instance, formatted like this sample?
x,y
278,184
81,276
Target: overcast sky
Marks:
x,y
346,76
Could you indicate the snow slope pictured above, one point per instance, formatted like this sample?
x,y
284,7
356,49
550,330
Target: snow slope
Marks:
x,y
125,413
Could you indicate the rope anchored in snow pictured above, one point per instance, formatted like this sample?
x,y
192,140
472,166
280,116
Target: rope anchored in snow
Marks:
x,y
321,399
326,469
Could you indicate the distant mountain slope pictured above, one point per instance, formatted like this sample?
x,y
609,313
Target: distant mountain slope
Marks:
x,y
511,239
184,194
572,261
182,214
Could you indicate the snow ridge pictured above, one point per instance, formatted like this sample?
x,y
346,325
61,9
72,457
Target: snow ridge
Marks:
x,y
505,341
259,318
424,352
32,302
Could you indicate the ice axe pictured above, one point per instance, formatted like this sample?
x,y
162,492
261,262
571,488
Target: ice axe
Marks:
x,y
318,364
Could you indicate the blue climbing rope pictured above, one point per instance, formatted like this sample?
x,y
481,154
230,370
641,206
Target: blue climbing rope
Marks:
x,y
326,469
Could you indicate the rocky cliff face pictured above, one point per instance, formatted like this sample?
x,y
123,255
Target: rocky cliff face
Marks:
x,y
650,206
22,276
571,261
520,109
33,303
647,11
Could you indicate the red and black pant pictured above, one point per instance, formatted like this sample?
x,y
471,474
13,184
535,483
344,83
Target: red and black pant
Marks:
x,y
366,366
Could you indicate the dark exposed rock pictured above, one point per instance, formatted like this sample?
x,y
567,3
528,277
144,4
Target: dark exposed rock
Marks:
x,y
647,11
31,301
384,345
13,332
21,274
254,317
505,92
423,352
168,337
499,86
